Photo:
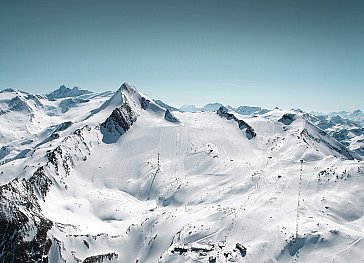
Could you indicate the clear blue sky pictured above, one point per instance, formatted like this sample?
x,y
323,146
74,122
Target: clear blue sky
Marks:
x,y
307,54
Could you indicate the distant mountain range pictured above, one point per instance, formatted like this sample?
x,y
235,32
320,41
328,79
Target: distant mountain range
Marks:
x,y
346,127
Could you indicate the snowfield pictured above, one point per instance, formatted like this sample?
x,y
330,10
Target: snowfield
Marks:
x,y
118,178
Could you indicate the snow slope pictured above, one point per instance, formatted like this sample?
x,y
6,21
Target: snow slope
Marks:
x,y
132,182
348,128
28,120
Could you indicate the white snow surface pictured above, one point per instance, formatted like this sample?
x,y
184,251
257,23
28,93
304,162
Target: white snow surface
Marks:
x,y
198,186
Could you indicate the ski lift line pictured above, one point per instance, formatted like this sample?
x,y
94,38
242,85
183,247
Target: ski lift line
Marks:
x,y
263,139
221,145
183,150
154,175
299,199
124,163
175,155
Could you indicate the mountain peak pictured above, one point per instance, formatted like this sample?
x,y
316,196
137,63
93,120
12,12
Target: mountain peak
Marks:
x,y
189,108
247,110
65,92
357,113
129,90
212,106
8,90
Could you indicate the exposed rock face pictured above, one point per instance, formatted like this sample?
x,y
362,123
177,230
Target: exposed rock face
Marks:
x,y
63,126
123,117
148,105
101,258
224,112
144,103
168,116
22,226
250,132
287,118
41,182
120,120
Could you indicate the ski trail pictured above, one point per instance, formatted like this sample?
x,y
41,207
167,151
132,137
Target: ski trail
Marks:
x,y
154,176
221,145
177,154
183,150
298,203
124,163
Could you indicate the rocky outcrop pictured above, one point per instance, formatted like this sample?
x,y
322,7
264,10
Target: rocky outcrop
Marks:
x,y
101,258
224,112
120,120
287,118
23,228
149,105
63,126
41,182
168,116
249,131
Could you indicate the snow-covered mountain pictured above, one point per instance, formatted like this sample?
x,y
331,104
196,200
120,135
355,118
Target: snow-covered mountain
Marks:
x,y
345,127
248,110
64,92
189,108
210,107
349,129
120,178
356,116
28,121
